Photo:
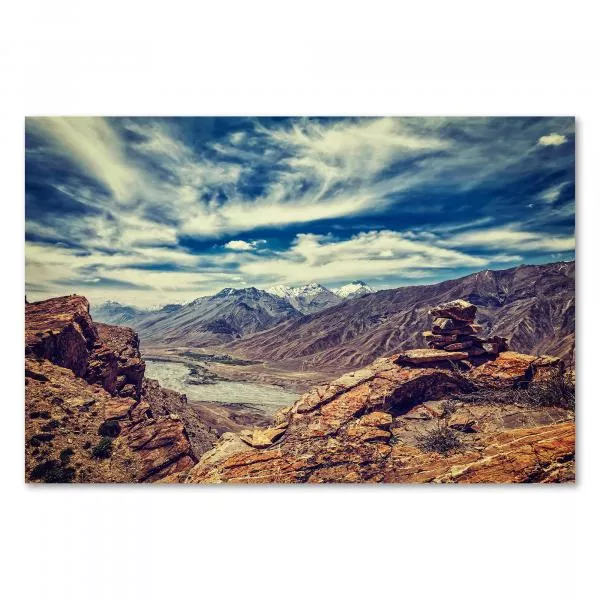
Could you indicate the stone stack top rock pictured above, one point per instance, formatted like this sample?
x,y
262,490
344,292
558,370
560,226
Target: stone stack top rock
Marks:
x,y
457,310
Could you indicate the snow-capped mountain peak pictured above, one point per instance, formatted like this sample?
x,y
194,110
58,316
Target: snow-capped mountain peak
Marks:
x,y
307,298
355,289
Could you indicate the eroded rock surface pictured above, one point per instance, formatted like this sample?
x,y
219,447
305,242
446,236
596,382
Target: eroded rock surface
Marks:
x,y
366,426
115,361
85,418
61,330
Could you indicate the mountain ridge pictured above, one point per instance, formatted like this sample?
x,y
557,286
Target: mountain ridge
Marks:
x,y
532,305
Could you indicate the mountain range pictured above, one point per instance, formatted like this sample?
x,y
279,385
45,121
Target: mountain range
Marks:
x,y
314,327
314,297
532,306
227,315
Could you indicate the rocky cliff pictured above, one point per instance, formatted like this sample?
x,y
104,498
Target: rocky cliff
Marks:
x,y
411,418
88,415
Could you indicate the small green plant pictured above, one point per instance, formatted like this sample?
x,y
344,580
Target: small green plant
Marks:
x,y
40,438
103,449
50,425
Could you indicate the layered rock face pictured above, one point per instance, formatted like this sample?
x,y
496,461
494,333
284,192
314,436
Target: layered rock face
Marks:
x,y
115,362
369,426
86,419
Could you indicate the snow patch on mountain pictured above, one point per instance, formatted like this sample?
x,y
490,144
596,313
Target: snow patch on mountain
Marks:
x,y
355,289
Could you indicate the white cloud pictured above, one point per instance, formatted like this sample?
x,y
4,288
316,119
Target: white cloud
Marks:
x,y
552,139
159,188
240,245
368,254
95,146
237,137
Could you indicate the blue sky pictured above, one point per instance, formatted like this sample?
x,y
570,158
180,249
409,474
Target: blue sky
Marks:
x,y
148,211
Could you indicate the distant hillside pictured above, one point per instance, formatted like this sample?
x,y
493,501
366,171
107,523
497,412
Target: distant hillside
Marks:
x,y
209,320
227,315
533,306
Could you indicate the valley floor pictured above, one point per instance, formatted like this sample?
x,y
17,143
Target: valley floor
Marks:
x,y
287,374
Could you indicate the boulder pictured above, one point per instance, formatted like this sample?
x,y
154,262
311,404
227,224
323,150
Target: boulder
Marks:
x,y
458,310
262,438
60,330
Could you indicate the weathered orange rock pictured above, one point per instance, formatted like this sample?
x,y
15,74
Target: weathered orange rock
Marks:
x,y
84,421
512,369
346,432
263,438
61,330
65,419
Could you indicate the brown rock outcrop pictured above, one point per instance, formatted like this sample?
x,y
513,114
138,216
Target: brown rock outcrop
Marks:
x,y
61,330
167,402
365,427
512,369
115,361
77,432
85,420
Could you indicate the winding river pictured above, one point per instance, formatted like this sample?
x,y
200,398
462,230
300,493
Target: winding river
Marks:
x,y
174,375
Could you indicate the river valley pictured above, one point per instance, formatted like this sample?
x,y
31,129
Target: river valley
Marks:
x,y
176,376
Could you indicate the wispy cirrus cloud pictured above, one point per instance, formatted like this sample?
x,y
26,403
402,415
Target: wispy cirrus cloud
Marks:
x,y
511,238
367,254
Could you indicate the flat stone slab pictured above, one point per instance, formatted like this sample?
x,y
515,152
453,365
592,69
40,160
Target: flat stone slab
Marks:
x,y
420,356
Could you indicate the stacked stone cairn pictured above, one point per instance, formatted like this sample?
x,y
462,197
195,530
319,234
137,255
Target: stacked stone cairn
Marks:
x,y
454,330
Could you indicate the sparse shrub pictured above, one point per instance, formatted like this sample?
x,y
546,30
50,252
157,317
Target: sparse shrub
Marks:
x,y
556,390
39,414
110,428
52,471
103,449
65,456
442,439
50,425
39,438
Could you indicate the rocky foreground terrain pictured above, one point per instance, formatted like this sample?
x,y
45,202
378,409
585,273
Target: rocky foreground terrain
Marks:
x,y
401,421
90,416
421,415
